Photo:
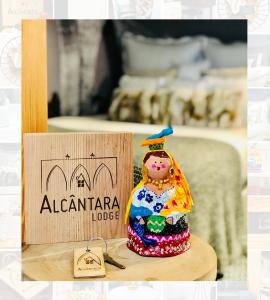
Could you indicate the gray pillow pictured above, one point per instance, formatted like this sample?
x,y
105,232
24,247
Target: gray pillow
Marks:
x,y
226,56
145,56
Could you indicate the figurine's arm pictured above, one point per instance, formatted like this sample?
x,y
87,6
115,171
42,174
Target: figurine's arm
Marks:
x,y
139,212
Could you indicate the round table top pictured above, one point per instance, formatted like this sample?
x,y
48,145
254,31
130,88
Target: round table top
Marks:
x,y
55,262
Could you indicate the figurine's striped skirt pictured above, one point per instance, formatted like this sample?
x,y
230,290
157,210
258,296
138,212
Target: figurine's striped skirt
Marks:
x,y
165,245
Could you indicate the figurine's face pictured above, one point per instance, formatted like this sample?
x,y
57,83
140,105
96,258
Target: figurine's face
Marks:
x,y
158,167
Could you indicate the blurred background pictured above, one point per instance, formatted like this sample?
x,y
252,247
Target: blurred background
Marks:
x,y
181,70
142,75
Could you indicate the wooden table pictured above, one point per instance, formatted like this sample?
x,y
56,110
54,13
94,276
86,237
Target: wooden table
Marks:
x,y
55,262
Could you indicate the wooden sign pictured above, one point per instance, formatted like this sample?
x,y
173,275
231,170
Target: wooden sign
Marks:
x,y
76,185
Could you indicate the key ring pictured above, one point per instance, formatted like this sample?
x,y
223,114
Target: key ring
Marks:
x,y
96,239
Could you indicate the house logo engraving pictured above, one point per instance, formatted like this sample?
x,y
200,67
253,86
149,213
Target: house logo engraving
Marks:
x,y
85,173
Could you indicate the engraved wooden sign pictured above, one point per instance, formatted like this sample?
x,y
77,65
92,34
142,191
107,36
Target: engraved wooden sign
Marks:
x,y
76,185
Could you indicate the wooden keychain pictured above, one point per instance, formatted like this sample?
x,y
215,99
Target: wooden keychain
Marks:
x,y
89,262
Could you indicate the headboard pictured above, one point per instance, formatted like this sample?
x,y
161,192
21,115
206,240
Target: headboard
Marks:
x,y
228,31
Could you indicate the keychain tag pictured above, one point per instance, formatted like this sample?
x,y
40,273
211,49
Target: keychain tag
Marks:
x,y
89,262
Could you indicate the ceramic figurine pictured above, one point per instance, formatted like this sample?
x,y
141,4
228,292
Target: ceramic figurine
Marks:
x,y
158,204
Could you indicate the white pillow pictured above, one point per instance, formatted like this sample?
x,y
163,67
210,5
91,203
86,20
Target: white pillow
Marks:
x,y
226,56
194,71
143,55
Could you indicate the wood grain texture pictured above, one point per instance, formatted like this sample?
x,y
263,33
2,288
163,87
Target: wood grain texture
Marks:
x,y
55,262
76,185
34,85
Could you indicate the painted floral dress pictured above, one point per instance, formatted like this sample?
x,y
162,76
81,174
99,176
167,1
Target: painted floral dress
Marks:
x,y
155,236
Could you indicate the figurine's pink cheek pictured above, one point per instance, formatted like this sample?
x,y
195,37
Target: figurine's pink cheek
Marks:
x,y
163,166
153,166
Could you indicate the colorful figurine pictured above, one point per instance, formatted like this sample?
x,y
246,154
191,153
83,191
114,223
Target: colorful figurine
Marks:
x,y
158,204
